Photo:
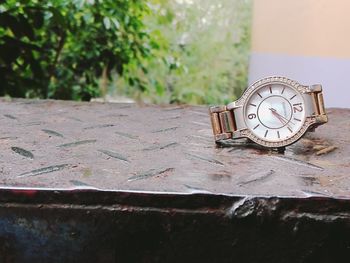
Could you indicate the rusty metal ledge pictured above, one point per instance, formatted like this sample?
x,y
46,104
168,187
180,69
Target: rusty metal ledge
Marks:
x,y
106,226
96,182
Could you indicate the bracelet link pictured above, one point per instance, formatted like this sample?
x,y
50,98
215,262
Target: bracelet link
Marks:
x,y
321,106
222,121
226,121
318,103
215,123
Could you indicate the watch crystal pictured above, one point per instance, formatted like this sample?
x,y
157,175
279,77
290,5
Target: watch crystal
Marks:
x,y
275,112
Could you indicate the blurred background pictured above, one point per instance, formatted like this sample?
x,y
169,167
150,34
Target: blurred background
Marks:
x,y
170,51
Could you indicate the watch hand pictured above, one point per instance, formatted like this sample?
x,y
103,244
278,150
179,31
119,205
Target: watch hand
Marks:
x,y
277,116
283,120
286,119
281,116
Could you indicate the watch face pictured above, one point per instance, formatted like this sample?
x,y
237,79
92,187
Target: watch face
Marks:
x,y
274,112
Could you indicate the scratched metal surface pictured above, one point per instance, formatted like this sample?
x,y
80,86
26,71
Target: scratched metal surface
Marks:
x,y
125,147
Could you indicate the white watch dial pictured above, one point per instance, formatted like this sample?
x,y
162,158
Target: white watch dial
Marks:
x,y
275,112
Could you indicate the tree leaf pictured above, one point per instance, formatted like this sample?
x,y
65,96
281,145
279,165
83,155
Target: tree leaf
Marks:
x,y
116,23
107,22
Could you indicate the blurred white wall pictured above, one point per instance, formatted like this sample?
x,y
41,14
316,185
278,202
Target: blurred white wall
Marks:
x,y
306,40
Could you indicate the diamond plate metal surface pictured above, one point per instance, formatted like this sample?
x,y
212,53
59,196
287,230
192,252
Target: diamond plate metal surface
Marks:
x,y
126,147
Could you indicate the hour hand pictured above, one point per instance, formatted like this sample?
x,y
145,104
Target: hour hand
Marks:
x,y
274,112
282,119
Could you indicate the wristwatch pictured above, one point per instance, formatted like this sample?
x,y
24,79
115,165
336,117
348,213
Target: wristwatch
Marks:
x,y
272,112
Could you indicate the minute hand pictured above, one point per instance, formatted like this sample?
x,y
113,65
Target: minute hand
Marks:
x,y
280,116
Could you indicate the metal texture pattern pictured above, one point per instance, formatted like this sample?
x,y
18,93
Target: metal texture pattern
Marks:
x,y
124,147
93,182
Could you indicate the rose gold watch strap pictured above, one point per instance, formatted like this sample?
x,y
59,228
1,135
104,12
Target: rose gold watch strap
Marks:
x,y
318,104
223,122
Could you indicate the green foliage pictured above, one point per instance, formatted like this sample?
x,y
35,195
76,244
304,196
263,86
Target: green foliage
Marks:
x,y
177,51
61,48
202,56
